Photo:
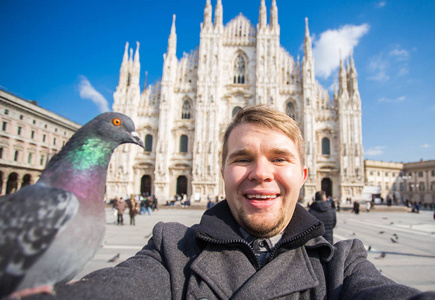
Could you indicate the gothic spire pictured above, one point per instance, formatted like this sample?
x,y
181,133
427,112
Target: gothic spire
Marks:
x,y
207,15
274,14
342,78
307,41
125,58
353,81
136,55
218,14
123,72
262,20
172,41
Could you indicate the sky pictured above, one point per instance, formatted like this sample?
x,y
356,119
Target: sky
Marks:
x,y
66,55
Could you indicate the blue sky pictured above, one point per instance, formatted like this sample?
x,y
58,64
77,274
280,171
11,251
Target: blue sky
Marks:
x,y
66,55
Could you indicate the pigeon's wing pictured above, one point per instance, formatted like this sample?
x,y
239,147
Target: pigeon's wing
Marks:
x,y
29,221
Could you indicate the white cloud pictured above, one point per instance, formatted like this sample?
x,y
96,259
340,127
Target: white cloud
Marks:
x,y
381,4
326,50
388,100
378,66
426,146
375,151
87,91
399,54
395,62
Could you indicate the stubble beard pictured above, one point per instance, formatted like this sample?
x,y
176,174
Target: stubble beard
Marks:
x,y
264,226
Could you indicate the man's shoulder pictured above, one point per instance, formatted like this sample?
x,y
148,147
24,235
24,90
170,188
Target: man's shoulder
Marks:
x,y
173,231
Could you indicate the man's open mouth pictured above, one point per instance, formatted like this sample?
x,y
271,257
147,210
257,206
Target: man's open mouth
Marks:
x,y
260,197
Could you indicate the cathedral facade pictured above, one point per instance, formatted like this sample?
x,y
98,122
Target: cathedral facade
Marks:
x,y
182,117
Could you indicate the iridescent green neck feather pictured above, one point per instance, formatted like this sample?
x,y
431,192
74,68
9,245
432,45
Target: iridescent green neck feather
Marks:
x,y
94,152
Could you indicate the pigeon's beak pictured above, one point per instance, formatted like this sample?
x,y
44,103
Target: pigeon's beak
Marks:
x,y
137,140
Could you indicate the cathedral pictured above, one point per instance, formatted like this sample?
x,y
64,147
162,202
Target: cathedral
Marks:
x,y
183,116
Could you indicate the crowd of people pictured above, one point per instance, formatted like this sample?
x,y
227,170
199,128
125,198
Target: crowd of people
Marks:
x,y
139,204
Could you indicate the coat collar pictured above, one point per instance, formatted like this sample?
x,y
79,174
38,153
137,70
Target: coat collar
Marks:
x,y
218,223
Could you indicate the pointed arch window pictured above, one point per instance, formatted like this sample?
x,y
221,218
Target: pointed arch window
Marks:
x,y
148,143
326,146
183,143
185,110
236,110
239,69
290,110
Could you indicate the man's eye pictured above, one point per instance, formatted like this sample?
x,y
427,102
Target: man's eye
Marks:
x,y
241,160
279,159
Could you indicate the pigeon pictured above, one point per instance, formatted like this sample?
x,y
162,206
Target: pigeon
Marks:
x,y
383,254
50,230
394,241
115,258
396,236
369,248
381,232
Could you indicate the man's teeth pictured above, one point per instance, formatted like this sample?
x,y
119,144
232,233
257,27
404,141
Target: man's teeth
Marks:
x,y
261,196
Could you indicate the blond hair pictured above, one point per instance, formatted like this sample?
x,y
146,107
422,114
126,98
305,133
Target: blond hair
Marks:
x,y
270,118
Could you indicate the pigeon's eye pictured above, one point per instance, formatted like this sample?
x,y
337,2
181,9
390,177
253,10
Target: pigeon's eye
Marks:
x,y
116,122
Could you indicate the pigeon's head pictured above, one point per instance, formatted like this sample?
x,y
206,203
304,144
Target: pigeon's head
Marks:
x,y
115,127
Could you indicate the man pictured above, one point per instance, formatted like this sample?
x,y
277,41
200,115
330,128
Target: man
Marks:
x,y
323,211
259,244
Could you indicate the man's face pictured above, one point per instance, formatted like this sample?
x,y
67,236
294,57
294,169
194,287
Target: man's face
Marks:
x,y
263,175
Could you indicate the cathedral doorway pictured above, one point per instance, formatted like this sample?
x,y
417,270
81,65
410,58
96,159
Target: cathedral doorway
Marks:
x,y
327,186
145,185
12,184
181,185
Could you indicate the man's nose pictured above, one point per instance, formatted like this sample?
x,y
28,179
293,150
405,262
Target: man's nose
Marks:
x,y
262,171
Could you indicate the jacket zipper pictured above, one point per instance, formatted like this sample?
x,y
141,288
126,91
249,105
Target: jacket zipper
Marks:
x,y
282,242
253,258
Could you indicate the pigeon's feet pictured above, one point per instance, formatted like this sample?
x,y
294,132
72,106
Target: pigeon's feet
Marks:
x,y
47,289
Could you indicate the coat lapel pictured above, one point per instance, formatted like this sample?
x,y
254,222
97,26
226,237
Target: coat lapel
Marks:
x,y
223,270
230,274
288,273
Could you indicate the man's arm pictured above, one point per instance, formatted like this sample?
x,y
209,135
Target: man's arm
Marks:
x,y
363,281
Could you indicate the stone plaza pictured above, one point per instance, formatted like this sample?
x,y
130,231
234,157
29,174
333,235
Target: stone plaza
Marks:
x,y
401,243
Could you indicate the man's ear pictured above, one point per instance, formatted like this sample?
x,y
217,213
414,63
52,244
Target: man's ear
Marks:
x,y
304,175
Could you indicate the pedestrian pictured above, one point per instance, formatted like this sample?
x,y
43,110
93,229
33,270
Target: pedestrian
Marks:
x,y
355,207
323,211
155,203
148,205
368,206
259,243
120,207
133,210
210,203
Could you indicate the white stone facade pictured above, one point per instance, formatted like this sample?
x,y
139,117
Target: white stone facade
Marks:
x,y
183,117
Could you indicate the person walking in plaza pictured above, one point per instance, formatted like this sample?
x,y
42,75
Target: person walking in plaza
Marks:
x,y
148,205
133,210
355,207
259,243
155,203
322,210
120,207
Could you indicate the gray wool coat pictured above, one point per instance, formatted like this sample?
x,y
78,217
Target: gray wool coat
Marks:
x,y
212,261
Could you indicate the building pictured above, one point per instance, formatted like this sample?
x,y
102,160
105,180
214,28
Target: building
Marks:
x,y
419,182
414,181
182,117
386,176
29,136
